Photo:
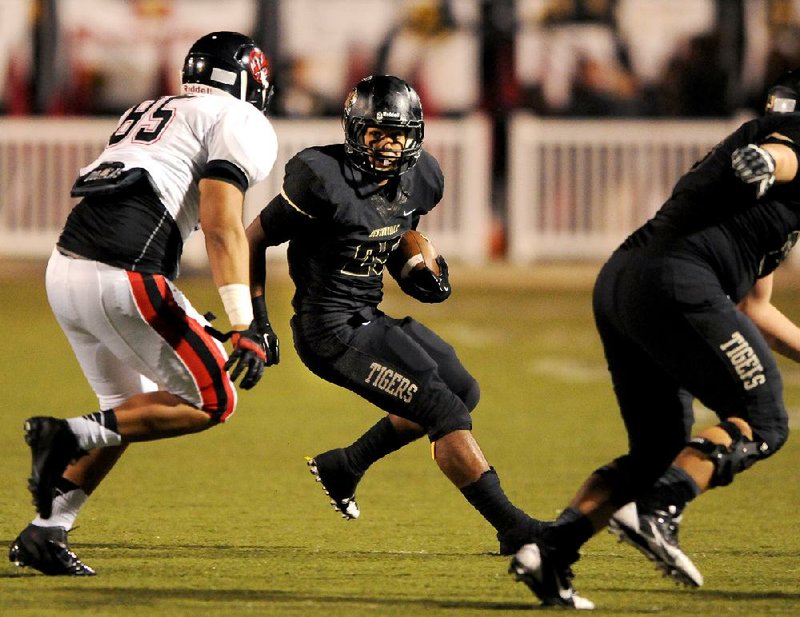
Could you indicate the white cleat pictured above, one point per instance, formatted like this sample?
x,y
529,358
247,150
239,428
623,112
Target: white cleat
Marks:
x,y
656,537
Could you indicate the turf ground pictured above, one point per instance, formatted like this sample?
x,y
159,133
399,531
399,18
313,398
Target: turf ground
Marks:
x,y
229,522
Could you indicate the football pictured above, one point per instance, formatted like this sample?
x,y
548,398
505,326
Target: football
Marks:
x,y
418,252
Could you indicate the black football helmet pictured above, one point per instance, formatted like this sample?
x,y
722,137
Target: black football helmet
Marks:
x,y
387,102
783,96
230,62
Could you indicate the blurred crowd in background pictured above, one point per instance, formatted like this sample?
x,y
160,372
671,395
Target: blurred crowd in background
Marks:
x,y
576,58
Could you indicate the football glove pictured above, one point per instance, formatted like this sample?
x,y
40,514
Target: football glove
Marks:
x,y
426,286
249,355
754,165
262,326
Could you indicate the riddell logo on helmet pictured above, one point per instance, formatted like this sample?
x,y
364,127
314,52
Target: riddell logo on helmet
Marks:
x,y
197,89
386,114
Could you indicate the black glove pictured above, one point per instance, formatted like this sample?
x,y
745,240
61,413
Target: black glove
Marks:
x,y
262,326
426,286
754,165
271,343
249,352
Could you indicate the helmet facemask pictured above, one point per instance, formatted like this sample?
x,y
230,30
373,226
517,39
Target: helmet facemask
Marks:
x,y
391,105
384,162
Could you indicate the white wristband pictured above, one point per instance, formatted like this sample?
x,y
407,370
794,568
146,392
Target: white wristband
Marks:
x,y
236,300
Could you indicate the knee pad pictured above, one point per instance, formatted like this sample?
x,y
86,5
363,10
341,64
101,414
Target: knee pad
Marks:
x,y
730,460
771,440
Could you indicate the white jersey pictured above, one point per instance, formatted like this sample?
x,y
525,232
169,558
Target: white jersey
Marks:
x,y
176,140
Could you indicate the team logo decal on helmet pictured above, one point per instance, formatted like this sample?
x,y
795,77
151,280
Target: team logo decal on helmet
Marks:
x,y
259,67
348,103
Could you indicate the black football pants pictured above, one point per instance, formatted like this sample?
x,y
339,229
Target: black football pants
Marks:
x,y
398,365
668,328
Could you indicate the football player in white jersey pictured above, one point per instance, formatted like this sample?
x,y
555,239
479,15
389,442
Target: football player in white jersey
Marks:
x,y
171,166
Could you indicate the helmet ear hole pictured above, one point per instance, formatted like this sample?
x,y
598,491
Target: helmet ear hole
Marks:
x,y
389,103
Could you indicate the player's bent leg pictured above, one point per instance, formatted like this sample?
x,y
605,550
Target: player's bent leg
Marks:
x,y
462,461
451,371
158,415
712,459
653,532
54,442
46,549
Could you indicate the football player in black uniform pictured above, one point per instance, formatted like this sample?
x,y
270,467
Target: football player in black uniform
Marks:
x,y
343,209
665,306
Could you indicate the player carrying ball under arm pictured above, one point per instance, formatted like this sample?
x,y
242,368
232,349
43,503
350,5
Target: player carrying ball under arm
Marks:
x,y
343,209
172,164
666,309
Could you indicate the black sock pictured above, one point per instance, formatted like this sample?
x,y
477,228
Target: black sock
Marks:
x,y
487,497
569,532
675,488
379,440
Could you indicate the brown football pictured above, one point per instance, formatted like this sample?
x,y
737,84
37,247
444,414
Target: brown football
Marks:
x,y
418,253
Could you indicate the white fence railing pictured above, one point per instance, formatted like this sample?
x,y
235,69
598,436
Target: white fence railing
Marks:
x,y
577,188
39,159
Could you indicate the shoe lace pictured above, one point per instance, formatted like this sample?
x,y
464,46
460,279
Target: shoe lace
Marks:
x,y
67,557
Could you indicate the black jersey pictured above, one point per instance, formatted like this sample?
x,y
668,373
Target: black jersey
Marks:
x,y
341,226
714,218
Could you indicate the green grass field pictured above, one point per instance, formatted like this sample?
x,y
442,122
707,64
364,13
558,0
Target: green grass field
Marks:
x,y
230,522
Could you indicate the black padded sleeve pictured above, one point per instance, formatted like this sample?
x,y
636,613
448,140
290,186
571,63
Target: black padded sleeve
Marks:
x,y
281,221
304,189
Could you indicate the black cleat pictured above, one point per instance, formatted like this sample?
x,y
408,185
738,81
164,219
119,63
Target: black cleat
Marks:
x,y
53,446
46,549
550,581
511,540
332,471
655,535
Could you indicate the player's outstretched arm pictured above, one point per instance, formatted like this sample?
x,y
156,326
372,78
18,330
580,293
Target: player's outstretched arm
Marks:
x,y
257,242
221,205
